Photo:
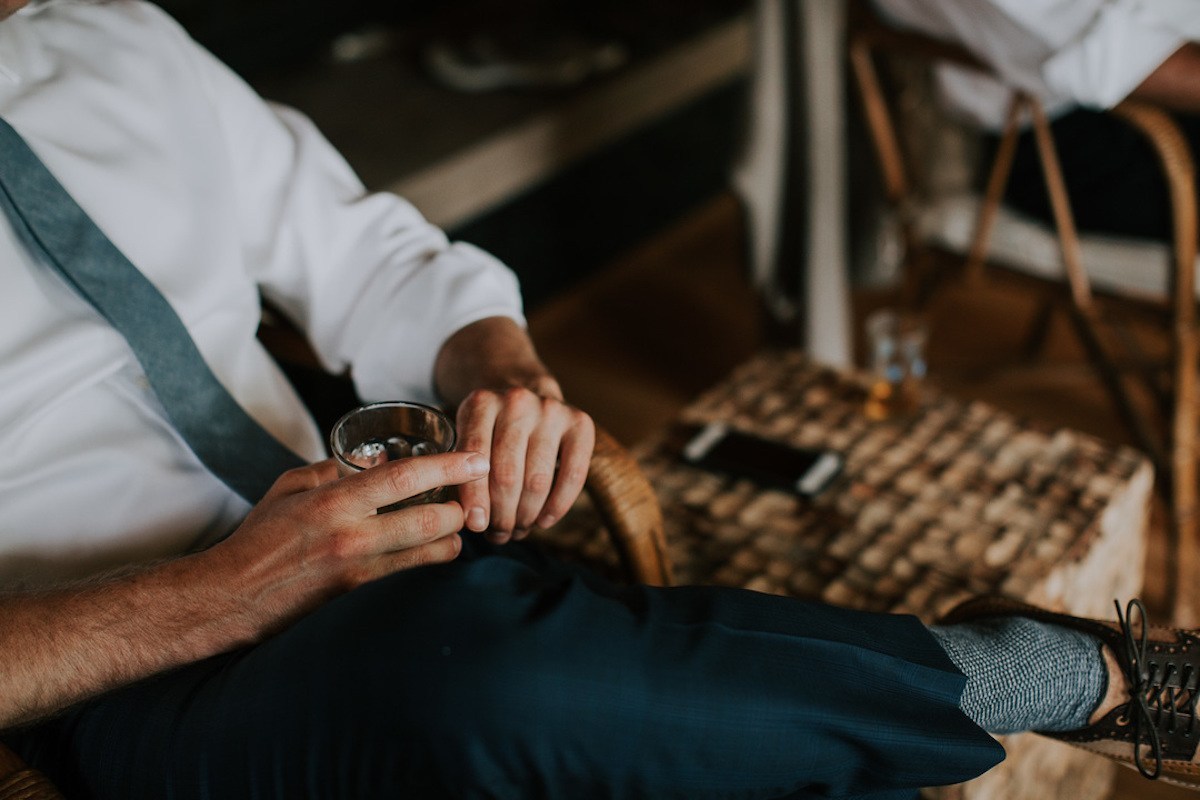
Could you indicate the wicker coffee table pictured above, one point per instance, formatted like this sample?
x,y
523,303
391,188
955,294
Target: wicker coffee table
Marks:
x,y
959,499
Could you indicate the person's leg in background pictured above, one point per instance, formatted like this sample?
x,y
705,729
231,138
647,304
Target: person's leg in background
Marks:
x,y
1113,177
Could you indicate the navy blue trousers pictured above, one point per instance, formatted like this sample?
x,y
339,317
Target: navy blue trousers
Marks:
x,y
507,674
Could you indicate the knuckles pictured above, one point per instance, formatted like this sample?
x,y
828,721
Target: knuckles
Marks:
x,y
404,479
538,483
433,521
581,419
522,400
329,505
297,479
477,402
572,476
505,474
343,545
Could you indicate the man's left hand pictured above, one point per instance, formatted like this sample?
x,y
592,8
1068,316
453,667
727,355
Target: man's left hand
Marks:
x,y
540,449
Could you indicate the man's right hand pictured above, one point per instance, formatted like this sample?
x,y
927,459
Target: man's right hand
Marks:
x,y
314,535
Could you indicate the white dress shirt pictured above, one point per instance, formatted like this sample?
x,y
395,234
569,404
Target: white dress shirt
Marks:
x,y
1067,53
215,195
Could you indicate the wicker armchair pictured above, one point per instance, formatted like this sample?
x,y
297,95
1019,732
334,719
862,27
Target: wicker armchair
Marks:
x,y
1168,432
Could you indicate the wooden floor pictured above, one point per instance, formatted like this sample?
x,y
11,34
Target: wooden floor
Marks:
x,y
637,341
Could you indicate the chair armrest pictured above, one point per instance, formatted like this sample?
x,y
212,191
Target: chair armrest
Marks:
x,y
1179,169
19,782
628,506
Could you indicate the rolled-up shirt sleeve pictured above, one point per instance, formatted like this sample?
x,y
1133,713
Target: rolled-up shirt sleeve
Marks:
x,y
376,287
1112,56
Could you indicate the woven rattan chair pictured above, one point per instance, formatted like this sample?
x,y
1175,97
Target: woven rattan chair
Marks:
x,y
1167,435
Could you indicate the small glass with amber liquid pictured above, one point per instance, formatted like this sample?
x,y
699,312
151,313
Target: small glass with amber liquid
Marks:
x,y
897,347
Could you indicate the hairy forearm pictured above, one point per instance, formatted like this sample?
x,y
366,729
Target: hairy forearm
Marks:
x,y
1176,83
495,354
63,645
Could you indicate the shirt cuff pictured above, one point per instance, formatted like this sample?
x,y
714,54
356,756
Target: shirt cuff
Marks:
x,y
462,286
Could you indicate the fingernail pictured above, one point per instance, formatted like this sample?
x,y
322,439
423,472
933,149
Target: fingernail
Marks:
x,y
476,519
546,520
477,465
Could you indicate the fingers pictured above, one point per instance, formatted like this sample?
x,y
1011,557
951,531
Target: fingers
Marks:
x,y
314,536
541,461
439,551
415,526
303,479
410,537
527,437
577,446
522,415
476,421
399,480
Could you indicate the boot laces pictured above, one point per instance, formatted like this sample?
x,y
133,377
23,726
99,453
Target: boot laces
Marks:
x,y
1154,699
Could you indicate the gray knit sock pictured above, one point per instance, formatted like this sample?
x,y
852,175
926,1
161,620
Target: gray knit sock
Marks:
x,y
1024,675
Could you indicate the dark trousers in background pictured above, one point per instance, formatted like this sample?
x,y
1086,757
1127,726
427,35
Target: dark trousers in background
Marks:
x,y
1112,174
508,674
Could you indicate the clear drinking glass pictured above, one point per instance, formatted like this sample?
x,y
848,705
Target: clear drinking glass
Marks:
x,y
374,434
897,348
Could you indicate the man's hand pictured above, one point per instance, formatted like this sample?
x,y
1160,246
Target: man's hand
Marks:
x,y
313,535
540,449
511,409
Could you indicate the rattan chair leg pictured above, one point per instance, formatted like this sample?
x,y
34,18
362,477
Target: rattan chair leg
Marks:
x,y
994,193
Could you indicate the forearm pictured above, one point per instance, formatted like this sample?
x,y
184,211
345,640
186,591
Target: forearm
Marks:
x,y
1176,83
63,645
494,353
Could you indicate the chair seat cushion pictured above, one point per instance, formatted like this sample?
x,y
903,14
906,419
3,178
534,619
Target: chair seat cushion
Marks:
x,y
1117,264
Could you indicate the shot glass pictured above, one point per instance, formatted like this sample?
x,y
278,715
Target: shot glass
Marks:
x,y
896,341
374,434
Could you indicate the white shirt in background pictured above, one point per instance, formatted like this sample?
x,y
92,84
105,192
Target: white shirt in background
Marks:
x,y
1067,53
214,195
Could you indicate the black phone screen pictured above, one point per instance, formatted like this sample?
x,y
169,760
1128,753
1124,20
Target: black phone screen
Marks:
x,y
802,470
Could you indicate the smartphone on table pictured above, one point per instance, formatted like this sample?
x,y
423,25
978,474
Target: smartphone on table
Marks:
x,y
804,471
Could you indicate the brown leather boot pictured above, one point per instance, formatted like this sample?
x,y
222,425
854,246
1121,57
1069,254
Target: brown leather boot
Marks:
x,y
1156,730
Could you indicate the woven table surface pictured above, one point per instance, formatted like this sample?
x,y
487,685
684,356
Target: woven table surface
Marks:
x,y
955,500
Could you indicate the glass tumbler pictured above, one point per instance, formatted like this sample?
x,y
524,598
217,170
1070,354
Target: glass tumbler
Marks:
x,y
374,434
897,348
